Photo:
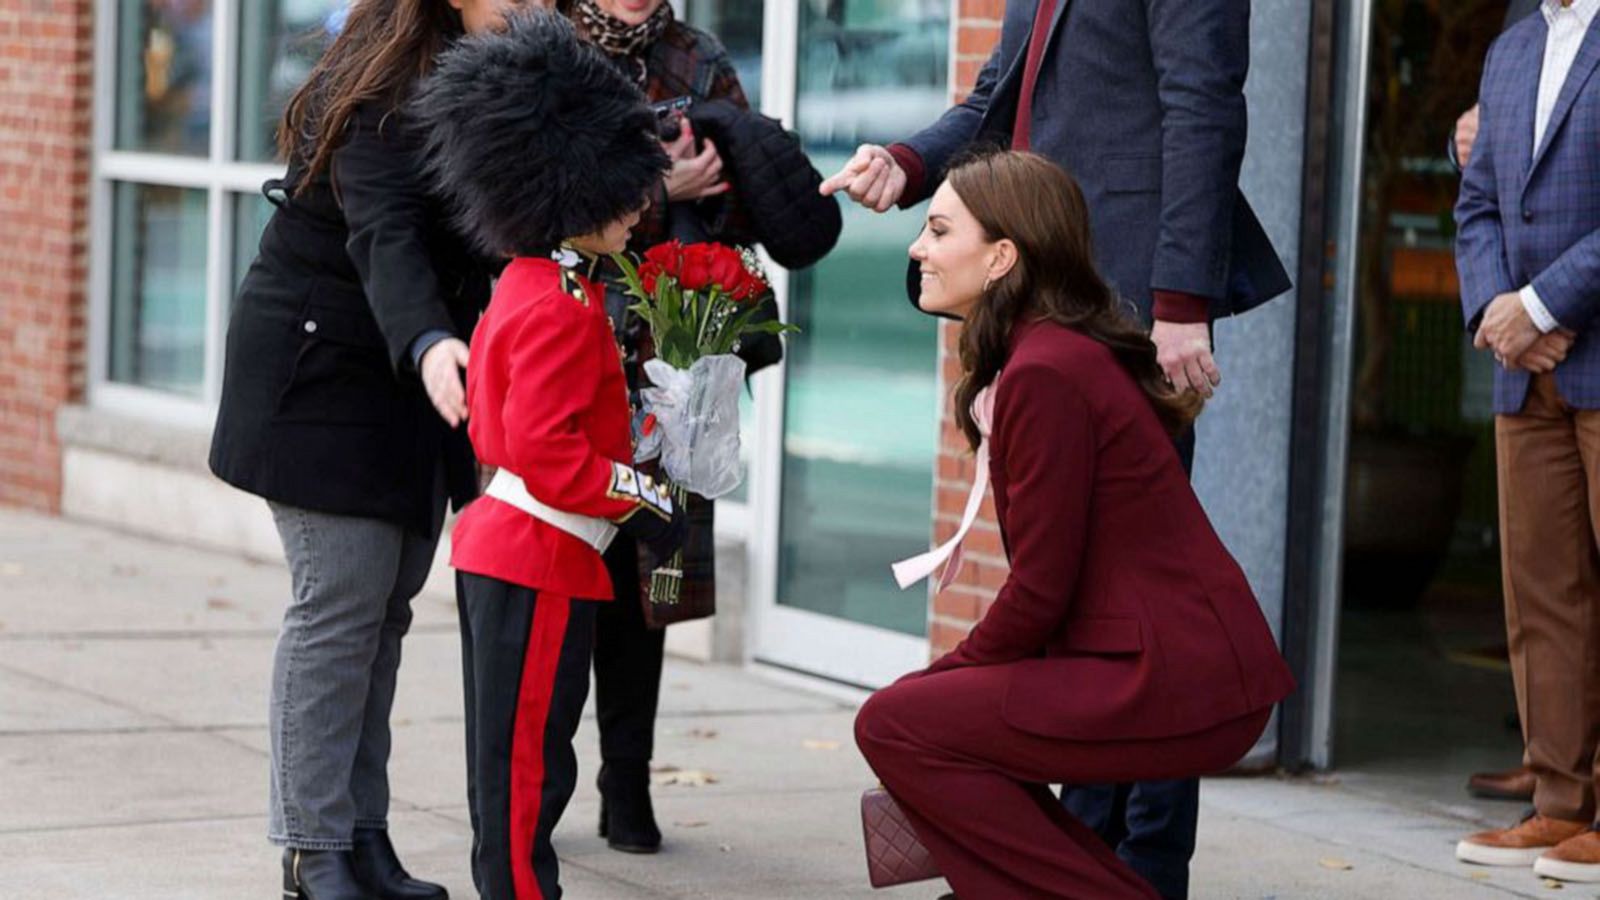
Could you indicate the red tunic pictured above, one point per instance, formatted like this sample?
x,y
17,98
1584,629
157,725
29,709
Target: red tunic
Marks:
x,y
548,401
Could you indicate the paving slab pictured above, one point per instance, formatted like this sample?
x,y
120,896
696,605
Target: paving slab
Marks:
x,y
133,684
35,705
75,781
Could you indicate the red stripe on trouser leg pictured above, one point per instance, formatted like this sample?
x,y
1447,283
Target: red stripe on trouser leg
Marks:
x,y
545,634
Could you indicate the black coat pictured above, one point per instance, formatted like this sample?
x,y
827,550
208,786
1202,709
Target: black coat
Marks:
x,y
321,406
776,182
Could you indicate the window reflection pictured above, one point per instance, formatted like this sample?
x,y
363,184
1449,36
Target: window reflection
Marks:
x,y
158,288
860,421
280,41
164,76
738,25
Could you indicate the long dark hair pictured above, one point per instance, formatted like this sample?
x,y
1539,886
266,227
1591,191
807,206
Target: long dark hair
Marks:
x,y
383,48
1030,201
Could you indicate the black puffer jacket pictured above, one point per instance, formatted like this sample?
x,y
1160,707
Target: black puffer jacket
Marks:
x,y
776,182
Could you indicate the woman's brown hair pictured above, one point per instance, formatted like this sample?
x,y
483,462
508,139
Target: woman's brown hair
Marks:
x,y
1030,201
383,48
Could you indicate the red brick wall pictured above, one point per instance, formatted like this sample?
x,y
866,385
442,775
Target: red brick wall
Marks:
x,y
957,607
46,86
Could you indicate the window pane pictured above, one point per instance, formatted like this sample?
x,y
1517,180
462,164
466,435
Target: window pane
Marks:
x,y
737,24
164,76
860,419
280,40
158,288
250,215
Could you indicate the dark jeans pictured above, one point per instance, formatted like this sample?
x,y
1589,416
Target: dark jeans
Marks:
x,y
1151,825
627,663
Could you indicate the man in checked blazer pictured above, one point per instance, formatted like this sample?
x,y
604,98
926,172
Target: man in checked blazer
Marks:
x,y
1517,783
1528,252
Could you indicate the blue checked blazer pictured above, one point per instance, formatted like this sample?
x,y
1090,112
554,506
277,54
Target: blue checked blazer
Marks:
x,y
1534,217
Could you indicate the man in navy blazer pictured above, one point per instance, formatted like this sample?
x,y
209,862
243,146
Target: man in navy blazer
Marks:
x,y
1142,101
1528,253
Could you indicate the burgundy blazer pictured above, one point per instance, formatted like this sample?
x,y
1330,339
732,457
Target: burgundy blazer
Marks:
x,y
1124,616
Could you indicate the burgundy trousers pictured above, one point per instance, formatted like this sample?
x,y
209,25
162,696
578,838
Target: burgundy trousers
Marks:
x,y
976,789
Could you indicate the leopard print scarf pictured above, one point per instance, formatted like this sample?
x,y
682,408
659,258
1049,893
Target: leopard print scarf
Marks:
x,y
625,44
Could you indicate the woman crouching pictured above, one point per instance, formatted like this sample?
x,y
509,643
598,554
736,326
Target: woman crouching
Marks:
x,y
1125,644
545,150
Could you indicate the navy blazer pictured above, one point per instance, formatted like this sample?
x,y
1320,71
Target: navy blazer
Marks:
x,y
1534,217
1142,101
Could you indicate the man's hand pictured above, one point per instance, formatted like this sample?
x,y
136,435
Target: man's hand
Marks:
x,y
1549,351
441,369
872,178
693,175
1184,353
1506,329
1466,135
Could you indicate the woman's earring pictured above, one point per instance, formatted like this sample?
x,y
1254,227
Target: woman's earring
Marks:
x,y
987,281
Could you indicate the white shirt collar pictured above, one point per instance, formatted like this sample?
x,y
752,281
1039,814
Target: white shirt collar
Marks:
x,y
1586,10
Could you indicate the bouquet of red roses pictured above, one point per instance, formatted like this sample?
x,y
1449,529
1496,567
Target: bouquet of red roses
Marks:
x,y
699,301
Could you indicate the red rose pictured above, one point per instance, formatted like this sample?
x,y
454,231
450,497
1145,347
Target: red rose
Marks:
x,y
727,269
649,273
697,262
745,285
752,286
668,257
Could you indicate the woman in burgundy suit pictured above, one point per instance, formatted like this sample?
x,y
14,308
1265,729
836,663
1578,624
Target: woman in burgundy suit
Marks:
x,y
1126,644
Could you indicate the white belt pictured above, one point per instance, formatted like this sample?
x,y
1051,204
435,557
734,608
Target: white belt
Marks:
x,y
509,489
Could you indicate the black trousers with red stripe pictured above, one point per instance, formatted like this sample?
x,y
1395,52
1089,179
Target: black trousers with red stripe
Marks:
x,y
525,661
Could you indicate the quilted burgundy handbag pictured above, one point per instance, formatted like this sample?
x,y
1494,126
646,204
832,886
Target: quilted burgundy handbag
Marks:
x,y
894,855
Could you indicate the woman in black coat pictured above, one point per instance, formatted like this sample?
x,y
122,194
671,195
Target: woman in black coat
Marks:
x,y
341,404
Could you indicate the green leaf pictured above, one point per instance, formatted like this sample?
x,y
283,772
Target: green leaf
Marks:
x,y
630,275
772,327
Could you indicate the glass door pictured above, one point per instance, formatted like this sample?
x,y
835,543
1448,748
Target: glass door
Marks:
x,y
859,402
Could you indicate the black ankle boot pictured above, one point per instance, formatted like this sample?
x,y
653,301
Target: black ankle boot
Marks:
x,y
378,867
321,875
627,820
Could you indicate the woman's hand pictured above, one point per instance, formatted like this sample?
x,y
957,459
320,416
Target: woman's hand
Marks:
x,y
441,370
693,176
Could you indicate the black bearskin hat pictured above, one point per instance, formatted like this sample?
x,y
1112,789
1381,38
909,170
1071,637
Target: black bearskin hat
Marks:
x,y
534,136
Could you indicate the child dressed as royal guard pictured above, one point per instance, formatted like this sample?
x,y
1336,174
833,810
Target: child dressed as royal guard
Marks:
x,y
548,154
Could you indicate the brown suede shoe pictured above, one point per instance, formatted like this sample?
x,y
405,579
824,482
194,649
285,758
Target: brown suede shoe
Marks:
x,y
1518,846
1574,859
1512,784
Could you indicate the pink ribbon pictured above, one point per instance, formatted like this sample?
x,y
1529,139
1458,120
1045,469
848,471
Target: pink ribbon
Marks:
x,y
910,571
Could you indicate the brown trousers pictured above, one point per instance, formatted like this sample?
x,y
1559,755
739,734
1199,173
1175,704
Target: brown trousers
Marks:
x,y
1549,469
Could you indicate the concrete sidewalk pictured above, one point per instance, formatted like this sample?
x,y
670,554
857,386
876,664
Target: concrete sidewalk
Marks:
x,y
133,680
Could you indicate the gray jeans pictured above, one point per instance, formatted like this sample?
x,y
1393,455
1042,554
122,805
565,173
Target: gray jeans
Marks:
x,y
333,675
